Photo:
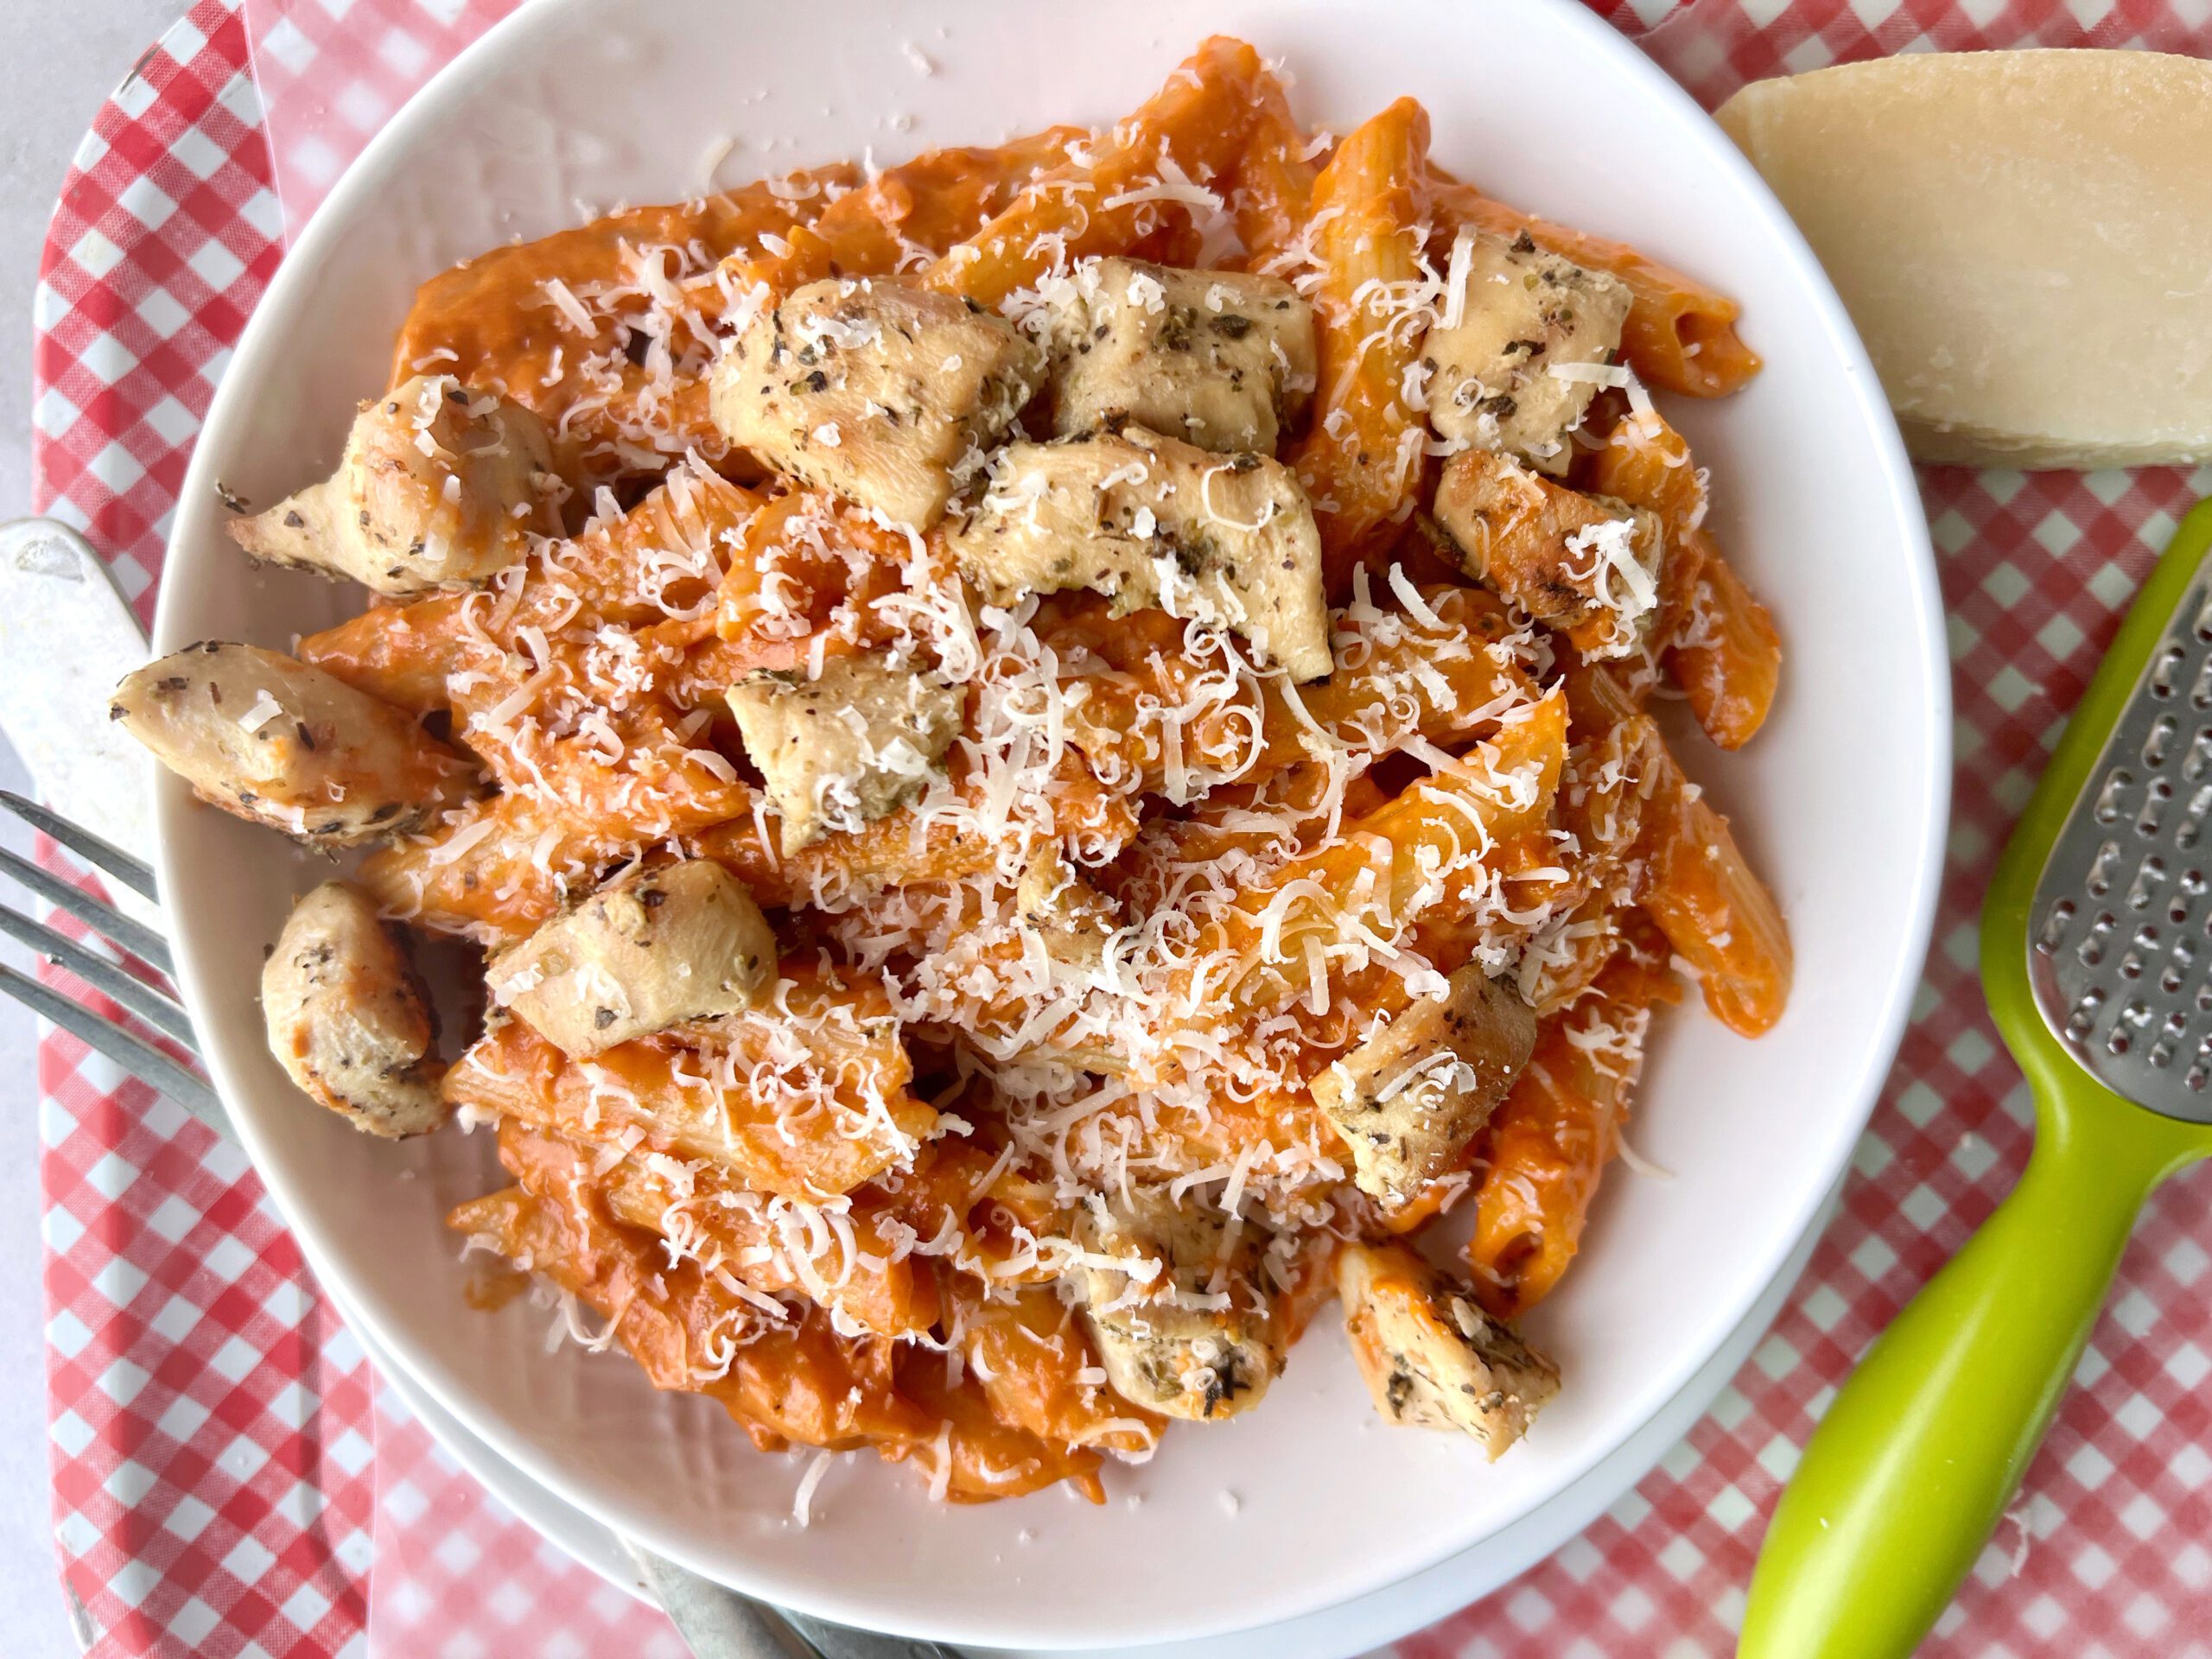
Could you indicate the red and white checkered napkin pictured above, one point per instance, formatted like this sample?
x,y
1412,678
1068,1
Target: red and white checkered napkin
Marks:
x,y
216,1491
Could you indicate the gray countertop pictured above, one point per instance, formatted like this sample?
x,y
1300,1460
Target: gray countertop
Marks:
x,y
61,62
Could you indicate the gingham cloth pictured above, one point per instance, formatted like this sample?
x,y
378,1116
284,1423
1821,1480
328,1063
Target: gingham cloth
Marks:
x,y
227,1479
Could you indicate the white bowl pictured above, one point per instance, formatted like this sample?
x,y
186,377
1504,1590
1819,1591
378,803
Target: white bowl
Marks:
x,y
1310,1501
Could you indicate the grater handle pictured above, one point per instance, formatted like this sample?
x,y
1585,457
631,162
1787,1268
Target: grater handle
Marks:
x,y
1908,1473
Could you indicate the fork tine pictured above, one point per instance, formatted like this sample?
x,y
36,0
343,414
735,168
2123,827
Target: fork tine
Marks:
x,y
133,935
101,854
142,1060
102,975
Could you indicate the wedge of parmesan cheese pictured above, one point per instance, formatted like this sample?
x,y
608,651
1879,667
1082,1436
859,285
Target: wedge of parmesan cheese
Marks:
x,y
2025,239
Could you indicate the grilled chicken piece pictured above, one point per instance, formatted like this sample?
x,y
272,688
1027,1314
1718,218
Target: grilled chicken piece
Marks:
x,y
1409,1099
885,394
1588,565
1072,917
1524,313
1154,523
1185,1329
442,485
347,1017
648,950
272,740
1218,358
1431,1357
836,751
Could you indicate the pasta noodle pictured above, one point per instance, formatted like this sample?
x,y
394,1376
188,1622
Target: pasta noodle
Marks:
x,y
1556,1131
1361,460
1721,646
1154,161
1681,335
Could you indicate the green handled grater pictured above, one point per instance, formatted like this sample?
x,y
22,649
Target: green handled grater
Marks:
x,y
2096,958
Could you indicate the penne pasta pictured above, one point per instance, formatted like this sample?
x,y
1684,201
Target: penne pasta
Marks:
x,y
1361,460
1717,914
1550,1140
595,329
1272,193
903,218
784,1374
1720,644
1680,335
729,1096
1146,172
1726,656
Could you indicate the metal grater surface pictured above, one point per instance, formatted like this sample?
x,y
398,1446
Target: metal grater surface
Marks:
x,y
2120,935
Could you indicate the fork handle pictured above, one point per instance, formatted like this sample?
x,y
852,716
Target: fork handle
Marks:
x,y
1907,1475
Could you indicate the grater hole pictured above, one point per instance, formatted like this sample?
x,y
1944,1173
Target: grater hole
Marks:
x,y
2091,951
2084,1017
2163,672
2052,934
2149,874
2159,743
2108,807
2102,869
2199,760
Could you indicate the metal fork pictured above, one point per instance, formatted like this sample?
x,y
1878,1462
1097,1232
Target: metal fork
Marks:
x,y
106,974
716,1621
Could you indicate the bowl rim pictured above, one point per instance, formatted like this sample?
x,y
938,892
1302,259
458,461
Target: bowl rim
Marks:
x,y
876,1606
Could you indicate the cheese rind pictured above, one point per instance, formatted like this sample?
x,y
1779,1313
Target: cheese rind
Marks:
x,y
2022,238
